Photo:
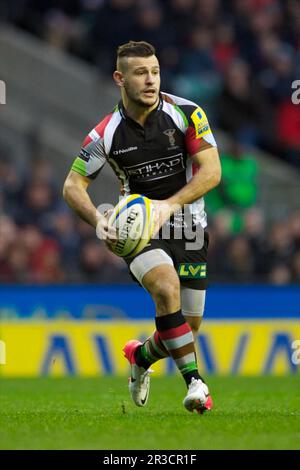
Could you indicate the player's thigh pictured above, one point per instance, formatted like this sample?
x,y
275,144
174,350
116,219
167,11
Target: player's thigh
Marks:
x,y
154,270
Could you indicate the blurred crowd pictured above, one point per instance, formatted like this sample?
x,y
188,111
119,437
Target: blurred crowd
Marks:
x,y
42,241
236,58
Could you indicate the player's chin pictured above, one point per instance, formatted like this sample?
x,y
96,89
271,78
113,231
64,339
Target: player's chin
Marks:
x,y
149,100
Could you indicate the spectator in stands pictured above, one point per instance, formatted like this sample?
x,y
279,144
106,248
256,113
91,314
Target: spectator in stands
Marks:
x,y
198,77
280,275
11,182
18,265
37,205
280,246
254,228
243,109
42,253
62,229
45,263
240,262
8,236
220,238
96,264
225,47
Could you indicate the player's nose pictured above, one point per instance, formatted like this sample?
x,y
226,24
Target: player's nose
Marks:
x,y
150,79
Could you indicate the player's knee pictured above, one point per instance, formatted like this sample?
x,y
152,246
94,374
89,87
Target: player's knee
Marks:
x,y
166,292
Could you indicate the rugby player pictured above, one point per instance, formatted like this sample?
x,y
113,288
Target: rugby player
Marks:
x,y
161,146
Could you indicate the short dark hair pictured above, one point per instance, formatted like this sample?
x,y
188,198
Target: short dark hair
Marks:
x,y
136,49
133,49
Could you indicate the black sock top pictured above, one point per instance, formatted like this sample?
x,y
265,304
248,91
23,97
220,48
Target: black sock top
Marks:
x,y
172,320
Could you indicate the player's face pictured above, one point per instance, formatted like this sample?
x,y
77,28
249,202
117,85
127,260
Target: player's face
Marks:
x,y
142,80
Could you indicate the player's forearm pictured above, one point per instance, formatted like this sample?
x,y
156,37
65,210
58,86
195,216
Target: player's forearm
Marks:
x,y
78,199
201,183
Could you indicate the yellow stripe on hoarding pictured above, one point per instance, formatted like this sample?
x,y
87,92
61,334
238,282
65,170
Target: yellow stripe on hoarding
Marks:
x,y
90,348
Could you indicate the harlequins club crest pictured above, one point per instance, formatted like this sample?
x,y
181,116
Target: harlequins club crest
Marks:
x,y
170,133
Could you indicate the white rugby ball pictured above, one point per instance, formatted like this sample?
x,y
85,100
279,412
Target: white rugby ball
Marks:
x,y
133,219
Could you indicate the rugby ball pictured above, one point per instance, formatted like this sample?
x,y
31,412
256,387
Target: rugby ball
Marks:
x,y
133,219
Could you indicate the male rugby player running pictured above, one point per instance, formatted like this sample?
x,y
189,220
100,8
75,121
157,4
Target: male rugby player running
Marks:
x,y
160,146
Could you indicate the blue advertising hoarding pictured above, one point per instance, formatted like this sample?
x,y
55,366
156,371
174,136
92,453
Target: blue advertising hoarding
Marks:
x,y
133,302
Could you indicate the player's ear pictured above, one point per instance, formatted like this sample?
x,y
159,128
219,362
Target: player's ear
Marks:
x,y
118,78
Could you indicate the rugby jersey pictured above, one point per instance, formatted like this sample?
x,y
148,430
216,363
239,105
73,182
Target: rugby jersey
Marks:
x,y
154,159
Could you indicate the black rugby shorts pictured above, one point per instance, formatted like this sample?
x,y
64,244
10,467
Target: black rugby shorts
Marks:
x,y
191,265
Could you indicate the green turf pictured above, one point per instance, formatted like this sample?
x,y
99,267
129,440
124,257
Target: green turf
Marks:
x,y
77,413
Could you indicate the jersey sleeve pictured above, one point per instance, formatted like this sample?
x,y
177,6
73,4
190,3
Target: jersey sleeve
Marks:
x,y
92,156
198,135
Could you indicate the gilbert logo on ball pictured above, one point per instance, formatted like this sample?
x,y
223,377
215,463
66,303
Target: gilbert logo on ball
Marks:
x,y
133,219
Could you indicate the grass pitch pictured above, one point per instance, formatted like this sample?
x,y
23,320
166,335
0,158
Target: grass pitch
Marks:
x,y
80,413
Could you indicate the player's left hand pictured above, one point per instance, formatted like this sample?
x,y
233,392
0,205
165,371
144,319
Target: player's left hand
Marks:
x,y
163,211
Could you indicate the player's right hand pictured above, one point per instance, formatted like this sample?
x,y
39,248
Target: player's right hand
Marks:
x,y
104,231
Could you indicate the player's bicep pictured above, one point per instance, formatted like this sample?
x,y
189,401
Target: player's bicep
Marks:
x,y
209,155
